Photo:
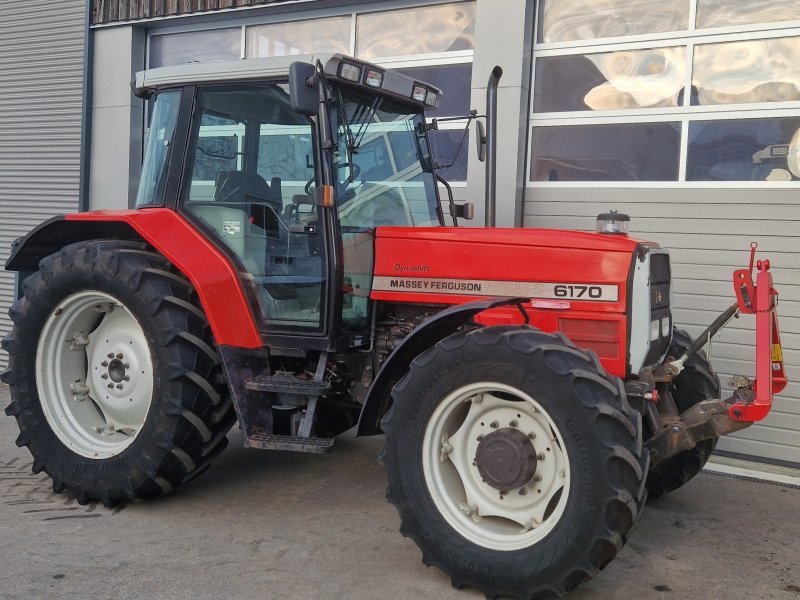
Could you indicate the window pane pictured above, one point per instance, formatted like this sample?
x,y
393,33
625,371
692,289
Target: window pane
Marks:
x,y
299,37
618,152
609,81
444,28
447,147
454,80
569,20
751,71
718,13
744,150
197,46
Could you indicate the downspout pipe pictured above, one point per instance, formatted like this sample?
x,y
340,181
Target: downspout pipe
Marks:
x,y
491,146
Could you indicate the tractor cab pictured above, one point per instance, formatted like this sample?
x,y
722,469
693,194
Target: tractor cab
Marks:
x,y
291,180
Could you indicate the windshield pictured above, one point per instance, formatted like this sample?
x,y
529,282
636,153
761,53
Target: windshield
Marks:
x,y
383,166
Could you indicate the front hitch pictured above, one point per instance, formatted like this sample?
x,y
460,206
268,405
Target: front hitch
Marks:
x,y
752,399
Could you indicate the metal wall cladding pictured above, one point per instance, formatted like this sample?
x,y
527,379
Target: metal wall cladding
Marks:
x,y
41,105
109,11
708,232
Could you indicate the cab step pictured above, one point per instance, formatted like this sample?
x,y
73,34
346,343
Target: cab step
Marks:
x,y
312,445
286,383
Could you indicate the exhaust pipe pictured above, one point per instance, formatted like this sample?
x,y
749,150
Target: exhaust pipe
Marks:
x,y
491,146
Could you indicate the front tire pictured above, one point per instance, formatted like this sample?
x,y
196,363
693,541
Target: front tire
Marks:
x,y
115,383
515,461
694,384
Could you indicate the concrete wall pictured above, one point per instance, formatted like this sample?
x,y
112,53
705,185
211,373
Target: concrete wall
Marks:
x,y
117,118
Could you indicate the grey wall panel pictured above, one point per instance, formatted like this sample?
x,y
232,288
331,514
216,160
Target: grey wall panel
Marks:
x,y
41,103
708,232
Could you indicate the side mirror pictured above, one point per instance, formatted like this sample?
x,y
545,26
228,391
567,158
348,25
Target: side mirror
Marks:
x,y
481,140
304,88
464,211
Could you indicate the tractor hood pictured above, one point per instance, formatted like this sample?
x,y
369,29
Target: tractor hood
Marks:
x,y
453,265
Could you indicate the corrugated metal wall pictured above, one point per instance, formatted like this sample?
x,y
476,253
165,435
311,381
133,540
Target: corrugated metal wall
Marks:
x,y
41,103
708,233
108,11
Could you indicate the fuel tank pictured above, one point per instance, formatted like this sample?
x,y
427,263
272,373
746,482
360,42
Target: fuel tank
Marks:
x,y
609,293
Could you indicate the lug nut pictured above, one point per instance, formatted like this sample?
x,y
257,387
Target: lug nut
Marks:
x,y
119,386
111,386
110,355
104,363
540,456
104,376
531,436
127,365
119,356
523,491
494,424
127,378
513,424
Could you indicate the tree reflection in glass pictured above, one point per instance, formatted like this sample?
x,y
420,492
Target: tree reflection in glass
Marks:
x,y
611,80
570,20
750,71
719,13
425,30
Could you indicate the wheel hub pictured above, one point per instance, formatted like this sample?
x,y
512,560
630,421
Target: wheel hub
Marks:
x,y
116,370
506,459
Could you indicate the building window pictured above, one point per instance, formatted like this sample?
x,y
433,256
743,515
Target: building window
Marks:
x,y
655,95
425,30
299,37
433,43
195,46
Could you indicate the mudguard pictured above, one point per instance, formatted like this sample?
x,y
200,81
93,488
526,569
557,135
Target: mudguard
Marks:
x,y
423,337
214,277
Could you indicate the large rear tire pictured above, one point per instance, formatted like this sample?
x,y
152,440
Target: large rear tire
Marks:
x,y
115,382
695,383
515,461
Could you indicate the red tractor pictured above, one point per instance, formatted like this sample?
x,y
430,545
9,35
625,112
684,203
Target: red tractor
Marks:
x,y
291,266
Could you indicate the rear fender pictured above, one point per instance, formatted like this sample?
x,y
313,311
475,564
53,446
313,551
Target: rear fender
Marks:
x,y
215,279
438,327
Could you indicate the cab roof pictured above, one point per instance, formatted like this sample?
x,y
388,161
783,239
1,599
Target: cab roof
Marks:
x,y
220,71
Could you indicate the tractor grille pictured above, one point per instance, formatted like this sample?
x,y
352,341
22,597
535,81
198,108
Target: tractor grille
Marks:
x,y
660,311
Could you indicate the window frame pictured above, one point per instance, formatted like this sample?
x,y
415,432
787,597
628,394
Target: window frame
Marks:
x,y
685,114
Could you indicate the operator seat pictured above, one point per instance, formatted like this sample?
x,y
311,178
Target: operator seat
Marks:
x,y
241,187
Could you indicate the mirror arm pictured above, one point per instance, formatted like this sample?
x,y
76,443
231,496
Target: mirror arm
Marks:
x,y
451,202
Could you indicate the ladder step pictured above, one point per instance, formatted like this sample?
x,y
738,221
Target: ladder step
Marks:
x,y
290,443
286,383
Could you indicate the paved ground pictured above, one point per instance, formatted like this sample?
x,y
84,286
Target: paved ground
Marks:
x,y
261,525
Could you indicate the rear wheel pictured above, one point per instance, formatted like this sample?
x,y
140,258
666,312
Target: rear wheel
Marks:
x,y
695,383
115,382
514,461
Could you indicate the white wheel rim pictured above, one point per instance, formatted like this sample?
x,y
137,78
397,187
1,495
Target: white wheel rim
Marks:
x,y
480,513
94,374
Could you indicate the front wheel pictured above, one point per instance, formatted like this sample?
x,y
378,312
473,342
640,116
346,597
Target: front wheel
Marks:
x,y
115,382
515,461
695,383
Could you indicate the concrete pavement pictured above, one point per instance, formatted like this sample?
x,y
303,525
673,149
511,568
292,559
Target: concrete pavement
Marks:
x,y
291,526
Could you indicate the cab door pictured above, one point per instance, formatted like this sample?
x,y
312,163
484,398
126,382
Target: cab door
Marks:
x,y
250,166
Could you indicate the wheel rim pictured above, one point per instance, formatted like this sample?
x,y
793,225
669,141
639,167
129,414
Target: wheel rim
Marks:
x,y
497,519
94,374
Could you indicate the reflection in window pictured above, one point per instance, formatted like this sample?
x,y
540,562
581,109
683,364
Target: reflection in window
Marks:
x,y
196,46
614,152
750,71
447,148
454,80
610,81
719,13
443,28
299,37
744,150
570,20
